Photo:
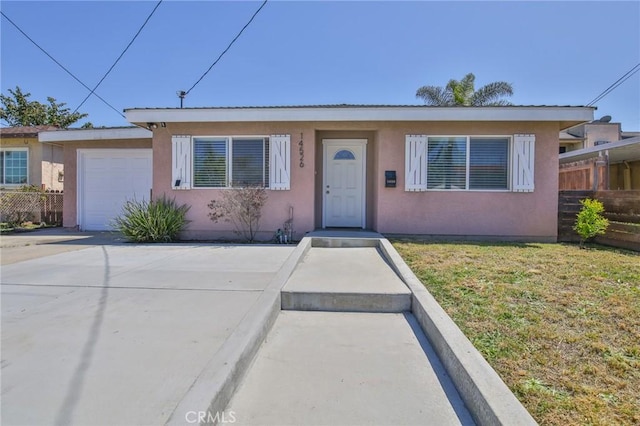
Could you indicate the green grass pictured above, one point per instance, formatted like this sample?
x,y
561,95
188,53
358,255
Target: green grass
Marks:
x,y
561,325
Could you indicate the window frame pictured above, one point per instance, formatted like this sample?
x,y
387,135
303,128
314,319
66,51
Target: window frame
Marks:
x,y
509,161
3,176
229,159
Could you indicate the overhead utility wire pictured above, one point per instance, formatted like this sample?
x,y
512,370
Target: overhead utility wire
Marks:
x,y
119,57
59,64
615,84
225,50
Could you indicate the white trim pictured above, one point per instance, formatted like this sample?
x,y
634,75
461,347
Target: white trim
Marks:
x,y
346,143
16,148
79,168
94,134
573,115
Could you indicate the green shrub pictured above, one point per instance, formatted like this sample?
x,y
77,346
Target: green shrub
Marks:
x,y
153,221
589,221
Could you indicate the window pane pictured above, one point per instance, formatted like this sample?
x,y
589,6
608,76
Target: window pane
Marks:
x,y
14,167
344,155
248,160
447,163
209,162
488,163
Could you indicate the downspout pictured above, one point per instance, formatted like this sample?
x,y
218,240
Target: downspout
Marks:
x,y
606,170
626,176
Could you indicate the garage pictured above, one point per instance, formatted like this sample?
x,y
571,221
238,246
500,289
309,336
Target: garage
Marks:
x,y
107,178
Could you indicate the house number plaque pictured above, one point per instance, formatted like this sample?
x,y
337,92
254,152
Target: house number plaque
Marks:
x,y
301,151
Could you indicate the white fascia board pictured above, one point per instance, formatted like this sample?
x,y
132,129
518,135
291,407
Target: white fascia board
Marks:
x,y
199,115
625,146
94,134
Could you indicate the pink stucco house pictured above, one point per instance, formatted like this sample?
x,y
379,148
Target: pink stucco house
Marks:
x,y
473,172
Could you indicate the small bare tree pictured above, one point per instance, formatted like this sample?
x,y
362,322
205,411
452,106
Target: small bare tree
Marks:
x,y
242,207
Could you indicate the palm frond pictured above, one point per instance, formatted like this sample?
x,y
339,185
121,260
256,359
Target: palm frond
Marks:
x,y
435,95
488,95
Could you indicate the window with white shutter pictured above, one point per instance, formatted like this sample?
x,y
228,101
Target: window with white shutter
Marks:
x,y
523,163
415,163
280,162
181,162
469,163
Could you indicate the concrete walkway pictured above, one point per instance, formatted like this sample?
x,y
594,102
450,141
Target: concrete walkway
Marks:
x,y
342,368
349,348
360,359
355,279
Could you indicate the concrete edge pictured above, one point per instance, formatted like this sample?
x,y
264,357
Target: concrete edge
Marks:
x,y
215,385
337,242
346,302
524,239
487,397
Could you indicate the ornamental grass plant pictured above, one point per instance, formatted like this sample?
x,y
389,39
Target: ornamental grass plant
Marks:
x,y
155,221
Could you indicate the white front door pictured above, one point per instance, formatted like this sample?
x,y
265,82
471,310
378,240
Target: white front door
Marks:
x,y
344,183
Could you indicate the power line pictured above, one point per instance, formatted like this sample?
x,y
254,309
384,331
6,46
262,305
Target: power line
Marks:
x,y
615,84
119,57
59,64
181,94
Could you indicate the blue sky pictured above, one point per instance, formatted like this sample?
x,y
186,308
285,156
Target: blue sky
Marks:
x,y
302,52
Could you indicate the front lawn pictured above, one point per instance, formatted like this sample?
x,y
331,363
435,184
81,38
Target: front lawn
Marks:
x,y
559,324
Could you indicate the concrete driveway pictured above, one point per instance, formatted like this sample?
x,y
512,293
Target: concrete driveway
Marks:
x,y
97,331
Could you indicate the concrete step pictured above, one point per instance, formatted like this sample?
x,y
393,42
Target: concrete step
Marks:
x,y
345,279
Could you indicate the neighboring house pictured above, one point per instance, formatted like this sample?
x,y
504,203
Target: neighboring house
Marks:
x,y
599,156
25,161
595,133
488,172
609,166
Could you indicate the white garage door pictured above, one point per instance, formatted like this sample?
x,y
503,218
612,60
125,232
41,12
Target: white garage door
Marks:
x,y
107,178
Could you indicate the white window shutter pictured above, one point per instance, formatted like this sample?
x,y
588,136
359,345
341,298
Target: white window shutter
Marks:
x,y
524,147
181,162
279,162
415,165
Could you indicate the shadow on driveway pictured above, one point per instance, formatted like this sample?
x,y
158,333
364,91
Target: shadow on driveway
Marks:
x,y
74,391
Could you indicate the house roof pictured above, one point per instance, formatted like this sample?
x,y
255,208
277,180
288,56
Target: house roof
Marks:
x,y
622,150
24,131
567,116
103,133
566,136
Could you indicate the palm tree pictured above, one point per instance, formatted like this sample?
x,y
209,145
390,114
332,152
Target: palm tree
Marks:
x,y
462,93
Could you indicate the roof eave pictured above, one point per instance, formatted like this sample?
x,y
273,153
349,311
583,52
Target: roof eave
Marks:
x,y
622,150
565,116
94,134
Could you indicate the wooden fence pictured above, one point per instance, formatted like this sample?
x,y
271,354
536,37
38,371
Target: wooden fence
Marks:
x,y
39,207
622,208
583,175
